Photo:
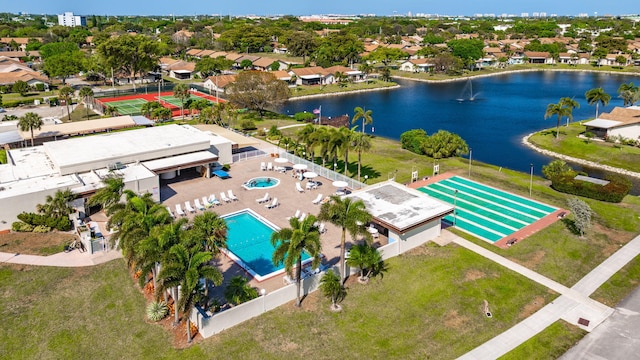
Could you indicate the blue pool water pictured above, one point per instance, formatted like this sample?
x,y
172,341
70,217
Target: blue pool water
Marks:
x,y
248,240
261,183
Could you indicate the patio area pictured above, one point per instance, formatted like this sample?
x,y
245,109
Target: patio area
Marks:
x,y
189,186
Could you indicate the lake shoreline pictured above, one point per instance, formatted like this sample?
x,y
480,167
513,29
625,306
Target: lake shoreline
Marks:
x,y
306,97
508,72
527,143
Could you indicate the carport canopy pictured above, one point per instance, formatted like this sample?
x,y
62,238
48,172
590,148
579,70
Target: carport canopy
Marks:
x,y
184,161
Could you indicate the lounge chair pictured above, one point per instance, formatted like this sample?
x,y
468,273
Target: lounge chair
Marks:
x,y
296,215
263,199
231,196
263,167
213,200
270,166
170,213
273,204
198,205
206,202
302,217
224,197
187,205
317,200
322,228
299,187
179,210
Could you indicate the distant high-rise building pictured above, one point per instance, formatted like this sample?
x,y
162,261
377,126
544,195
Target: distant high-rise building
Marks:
x,y
524,14
68,19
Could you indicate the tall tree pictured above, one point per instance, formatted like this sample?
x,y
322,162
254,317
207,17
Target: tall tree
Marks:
x,y
65,93
130,54
86,94
238,290
110,194
360,143
290,243
570,104
559,110
30,121
257,90
64,65
366,258
212,229
365,115
629,93
349,215
301,43
581,214
209,66
184,267
597,96
181,91
58,204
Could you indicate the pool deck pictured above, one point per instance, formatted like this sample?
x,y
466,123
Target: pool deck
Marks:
x,y
189,186
513,238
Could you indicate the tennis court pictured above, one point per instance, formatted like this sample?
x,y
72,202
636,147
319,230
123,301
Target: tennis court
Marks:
x,y
486,212
130,104
128,107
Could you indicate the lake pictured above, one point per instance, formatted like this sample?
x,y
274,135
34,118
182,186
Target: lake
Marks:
x,y
505,108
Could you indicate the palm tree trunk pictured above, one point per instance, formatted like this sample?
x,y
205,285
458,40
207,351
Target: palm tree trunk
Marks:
x,y
558,127
175,305
68,112
189,339
298,281
597,110
346,161
359,160
343,244
31,137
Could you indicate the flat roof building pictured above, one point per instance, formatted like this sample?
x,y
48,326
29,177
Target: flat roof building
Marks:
x,y
68,19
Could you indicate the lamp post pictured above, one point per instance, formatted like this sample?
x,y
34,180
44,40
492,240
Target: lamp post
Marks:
x,y
365,178
455,200
263,292
470,153
531,180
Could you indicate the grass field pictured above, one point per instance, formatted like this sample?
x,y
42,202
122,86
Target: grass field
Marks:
x,y
559,336
429,305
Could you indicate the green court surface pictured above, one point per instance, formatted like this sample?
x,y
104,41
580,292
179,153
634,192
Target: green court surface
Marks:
x,y
485,212
176,102
127,107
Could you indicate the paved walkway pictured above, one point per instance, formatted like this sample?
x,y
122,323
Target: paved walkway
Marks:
x,y
572,305
70,259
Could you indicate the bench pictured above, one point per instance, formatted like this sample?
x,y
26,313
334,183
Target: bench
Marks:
x,y
512,241
562,215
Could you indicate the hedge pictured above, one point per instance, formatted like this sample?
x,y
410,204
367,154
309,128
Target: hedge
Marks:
x,y
617,188
15,103
59,223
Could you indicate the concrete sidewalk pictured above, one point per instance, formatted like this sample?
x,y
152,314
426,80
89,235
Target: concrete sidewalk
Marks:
x,y
70,259
573,305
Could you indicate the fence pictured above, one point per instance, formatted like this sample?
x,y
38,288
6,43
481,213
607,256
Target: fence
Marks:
x,y
322,171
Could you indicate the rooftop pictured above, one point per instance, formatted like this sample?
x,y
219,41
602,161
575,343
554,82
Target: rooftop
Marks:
x,y
400,207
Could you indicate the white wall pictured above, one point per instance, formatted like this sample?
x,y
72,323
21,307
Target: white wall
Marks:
x,y
12,206
416,237
631,131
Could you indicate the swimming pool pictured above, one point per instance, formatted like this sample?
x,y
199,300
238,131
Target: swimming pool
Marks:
x,y
261,183
249,244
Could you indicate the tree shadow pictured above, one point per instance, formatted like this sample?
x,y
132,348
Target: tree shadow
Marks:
x,y
571,226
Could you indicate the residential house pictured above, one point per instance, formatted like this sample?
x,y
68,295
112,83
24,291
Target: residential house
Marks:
x,y
284,76
539,57
352,75
417,65
574,58
623,122
264,64
315,75
218,83
241,59
22,42
612,59
12,71
181,70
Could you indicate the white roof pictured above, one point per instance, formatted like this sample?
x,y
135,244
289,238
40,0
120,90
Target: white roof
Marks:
x,y
399,206
603,123
93,152
185,159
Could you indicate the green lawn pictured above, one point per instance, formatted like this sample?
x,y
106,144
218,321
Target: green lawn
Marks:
x,y
428,305
551,343
304,90
619,285
621,156
3,156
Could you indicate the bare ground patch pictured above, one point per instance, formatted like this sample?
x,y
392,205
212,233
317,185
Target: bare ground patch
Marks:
x,y
536,304
474,274
535,259
34,243
454,320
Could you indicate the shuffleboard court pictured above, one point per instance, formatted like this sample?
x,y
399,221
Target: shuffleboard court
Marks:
x,y
486,212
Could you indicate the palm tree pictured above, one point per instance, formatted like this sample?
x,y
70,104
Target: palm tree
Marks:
x,y
360,143
597,96
571,104
290,243
331,287
181,91
30,121
86,94
212,229
134,220
58,204
238,291
65,93
557,109
108,195
305,135
147,108
184,267
629,93
110,110
321,137
360,113
349,215
365,257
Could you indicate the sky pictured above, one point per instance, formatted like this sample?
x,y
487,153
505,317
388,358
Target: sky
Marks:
x,y
307,7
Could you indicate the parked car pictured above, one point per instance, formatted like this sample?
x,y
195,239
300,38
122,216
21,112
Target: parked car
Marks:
x,y
2,110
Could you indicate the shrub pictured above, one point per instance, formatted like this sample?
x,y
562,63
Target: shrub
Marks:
x,y
39,87
617,188
412,140
41,229
59,223
304,116
556,168
157,310
20,226
248,125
